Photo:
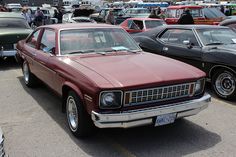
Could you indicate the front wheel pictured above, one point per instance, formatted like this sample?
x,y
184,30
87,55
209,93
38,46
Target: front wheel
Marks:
x,y
29,79
79,121
224,84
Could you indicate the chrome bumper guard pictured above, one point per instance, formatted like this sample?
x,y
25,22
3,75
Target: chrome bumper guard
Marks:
x,y
8,53
146,116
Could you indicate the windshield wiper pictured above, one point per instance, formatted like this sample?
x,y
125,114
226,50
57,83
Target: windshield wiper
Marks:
x,y
82,51
216,43
127,50
104,52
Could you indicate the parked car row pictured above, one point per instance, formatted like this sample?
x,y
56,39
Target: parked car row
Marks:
x,y
209,48
13,27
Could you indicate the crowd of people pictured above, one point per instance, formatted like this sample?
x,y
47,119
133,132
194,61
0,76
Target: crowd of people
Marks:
x,y
37,18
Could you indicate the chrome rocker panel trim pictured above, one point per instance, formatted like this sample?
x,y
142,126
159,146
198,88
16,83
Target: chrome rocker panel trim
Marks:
x,y
141,117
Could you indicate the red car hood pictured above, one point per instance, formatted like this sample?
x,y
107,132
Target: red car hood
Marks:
x,y
144,69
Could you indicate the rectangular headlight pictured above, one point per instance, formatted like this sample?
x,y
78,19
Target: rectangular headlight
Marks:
x,y
110,99
199,86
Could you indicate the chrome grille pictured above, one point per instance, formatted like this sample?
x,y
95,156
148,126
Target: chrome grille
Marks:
x,y
158,94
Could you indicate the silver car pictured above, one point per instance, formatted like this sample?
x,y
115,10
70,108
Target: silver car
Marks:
x,y
2,152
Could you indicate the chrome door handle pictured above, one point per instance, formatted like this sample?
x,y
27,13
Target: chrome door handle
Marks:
x,y
165,49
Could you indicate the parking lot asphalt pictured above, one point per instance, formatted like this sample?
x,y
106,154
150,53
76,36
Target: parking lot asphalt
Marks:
x,y
34,126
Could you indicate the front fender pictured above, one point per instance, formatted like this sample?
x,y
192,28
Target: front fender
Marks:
x,y
73,87
148,44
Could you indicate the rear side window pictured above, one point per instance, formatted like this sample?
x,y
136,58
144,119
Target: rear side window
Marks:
x,y
136,25
32,41
48,40
178,36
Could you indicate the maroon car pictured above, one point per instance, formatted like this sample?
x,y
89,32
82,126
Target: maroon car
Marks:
x,y
106,80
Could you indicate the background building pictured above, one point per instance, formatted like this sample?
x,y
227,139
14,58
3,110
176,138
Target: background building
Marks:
x,y
33,2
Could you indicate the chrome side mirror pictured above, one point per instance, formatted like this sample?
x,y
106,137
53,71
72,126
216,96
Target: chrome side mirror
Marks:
x,y
50,51
186,42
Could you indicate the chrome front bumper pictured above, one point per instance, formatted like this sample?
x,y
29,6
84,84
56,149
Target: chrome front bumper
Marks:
x,y
8,53
146,116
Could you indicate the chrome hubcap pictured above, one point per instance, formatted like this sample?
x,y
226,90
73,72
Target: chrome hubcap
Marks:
x,y
72,113
225,84
26,72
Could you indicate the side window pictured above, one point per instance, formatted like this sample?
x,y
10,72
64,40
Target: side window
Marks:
x,y
178,36
48,41
130,23
136,25
32,41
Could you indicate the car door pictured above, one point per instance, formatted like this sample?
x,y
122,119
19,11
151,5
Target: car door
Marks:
x,y
30,48
182,44
45,57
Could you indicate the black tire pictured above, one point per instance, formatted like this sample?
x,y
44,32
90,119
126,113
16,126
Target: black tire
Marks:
x,y
29,78
224,84
84,126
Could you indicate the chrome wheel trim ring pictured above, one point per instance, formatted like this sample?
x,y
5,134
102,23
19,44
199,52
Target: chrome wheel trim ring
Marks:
x,y
225,84
72,113
26,72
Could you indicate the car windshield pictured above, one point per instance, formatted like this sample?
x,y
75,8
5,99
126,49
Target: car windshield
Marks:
x,y
154,23
102,40
217,36
13,23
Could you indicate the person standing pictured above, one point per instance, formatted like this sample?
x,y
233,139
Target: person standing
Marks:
x,y
153,14
110,19
186,18
26,15
55,15
59,16
222,9
39,17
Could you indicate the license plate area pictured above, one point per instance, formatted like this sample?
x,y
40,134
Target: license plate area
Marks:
x,y
165,119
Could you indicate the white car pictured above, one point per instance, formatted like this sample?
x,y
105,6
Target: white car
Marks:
x,y
14,7
2,152
78,16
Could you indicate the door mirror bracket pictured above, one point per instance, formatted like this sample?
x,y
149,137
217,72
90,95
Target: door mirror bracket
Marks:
x,y
188,44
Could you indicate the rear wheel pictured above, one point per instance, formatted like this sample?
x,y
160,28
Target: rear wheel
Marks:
x,y
79,121
224,84
29,79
